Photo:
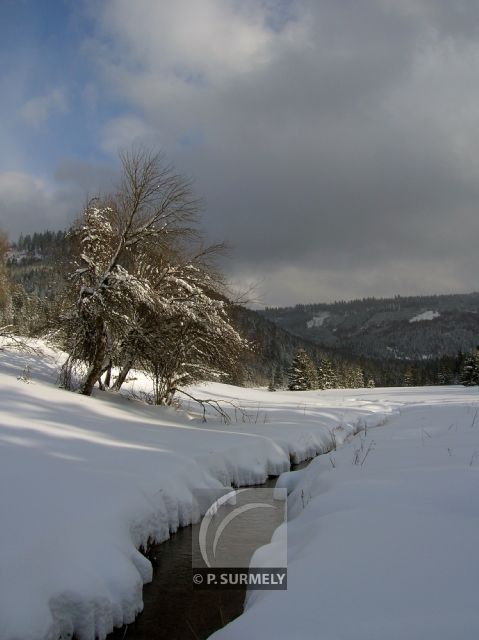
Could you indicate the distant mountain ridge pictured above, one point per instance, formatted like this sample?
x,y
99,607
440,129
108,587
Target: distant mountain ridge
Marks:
x,y
404,328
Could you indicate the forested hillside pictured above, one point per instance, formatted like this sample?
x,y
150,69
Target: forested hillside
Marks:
x,y
33,261
400,328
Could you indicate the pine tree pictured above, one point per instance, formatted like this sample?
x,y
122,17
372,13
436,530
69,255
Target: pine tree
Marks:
x,y
279,376
444,374
470,369
408,378
272,382
327,376
302,374
357,377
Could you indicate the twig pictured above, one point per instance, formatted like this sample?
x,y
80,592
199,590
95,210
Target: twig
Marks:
x,y
209,402
370,448
18,343
474,419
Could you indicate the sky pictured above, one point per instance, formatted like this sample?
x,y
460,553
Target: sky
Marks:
x,y
335,143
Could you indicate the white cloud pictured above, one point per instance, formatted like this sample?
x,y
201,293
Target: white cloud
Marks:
x,y
176,60
206,40
38,110
120,133
28,204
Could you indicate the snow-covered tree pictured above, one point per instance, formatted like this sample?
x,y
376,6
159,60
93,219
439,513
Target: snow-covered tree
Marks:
x,y
272,380
302,374
191,337
351,376
327,377
356,380
470,369
444,374
138,293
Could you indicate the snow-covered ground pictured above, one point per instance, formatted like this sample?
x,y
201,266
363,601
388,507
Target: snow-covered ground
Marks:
x,y
383,541
84,482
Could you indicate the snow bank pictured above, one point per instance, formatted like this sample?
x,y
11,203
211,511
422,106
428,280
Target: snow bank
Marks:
x,y
383,536
86,481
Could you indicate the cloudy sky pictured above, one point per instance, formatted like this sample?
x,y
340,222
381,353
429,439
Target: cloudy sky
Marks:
x,y
335,142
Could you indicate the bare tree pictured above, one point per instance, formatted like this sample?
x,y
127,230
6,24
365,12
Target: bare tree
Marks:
x,y
153,205
139,295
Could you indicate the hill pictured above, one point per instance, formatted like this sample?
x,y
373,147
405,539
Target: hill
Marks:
x,y
401,328
273,349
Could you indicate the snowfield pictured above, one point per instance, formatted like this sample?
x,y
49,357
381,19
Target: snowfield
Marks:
x,y
86,481
383,533
383,541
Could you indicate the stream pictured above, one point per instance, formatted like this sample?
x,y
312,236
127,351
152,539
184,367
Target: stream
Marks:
x,y
173,609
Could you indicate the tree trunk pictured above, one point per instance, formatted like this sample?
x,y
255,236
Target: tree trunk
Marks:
x,y
122,375
107,382
96,367
106,368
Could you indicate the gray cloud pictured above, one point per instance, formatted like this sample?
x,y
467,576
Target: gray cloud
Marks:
x,y
28,204
336,143
354,168
87,178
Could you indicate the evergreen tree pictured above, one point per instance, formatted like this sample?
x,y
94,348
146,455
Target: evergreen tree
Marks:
x,y
327,378
272,381
279,376
302,374
357,378
409,378
470,369
444,374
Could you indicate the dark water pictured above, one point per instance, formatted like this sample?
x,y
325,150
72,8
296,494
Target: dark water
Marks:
x,y
173,609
